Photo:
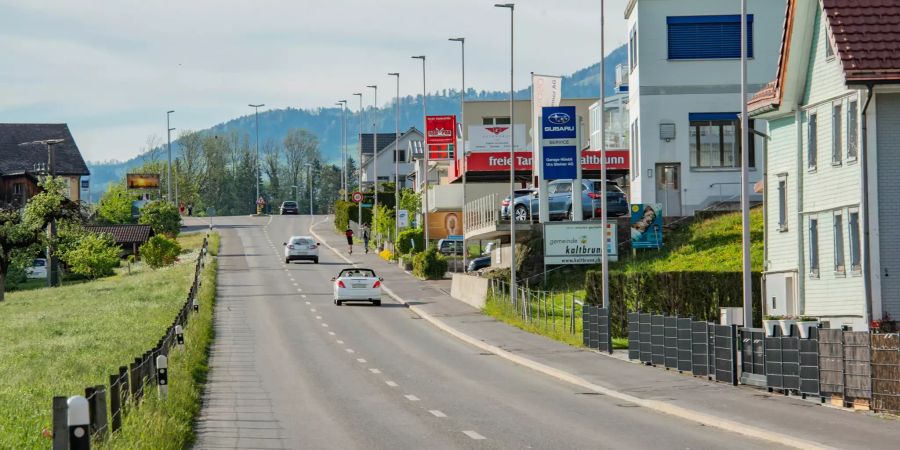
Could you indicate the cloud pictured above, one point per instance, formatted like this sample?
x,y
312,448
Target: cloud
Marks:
x,y
111,68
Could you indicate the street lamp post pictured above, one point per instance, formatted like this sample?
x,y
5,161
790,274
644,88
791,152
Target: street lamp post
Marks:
x,y
604,251
52,262
257,147
512,152
375,160
169,167
462,148
359,162
310,183
396,159
425,148
745,176
344,186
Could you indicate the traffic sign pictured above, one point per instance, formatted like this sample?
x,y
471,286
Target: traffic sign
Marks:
x,y
357,197
260,201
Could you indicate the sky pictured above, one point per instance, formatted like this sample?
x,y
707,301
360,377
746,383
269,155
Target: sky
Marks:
x,y
112,68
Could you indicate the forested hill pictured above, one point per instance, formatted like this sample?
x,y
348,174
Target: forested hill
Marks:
x,y
325,123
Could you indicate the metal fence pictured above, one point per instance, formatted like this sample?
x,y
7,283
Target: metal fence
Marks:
x,y
596,331
107,405
886,373
554,311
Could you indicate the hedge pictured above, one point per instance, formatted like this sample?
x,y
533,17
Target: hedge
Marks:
x,y
342,214
429,265
697,295
410,234
384,198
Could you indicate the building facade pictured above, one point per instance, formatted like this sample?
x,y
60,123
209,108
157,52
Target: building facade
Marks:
x,y
684,98
389,148
832,161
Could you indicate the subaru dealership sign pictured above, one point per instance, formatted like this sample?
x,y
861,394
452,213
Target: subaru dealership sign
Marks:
x,y
559,140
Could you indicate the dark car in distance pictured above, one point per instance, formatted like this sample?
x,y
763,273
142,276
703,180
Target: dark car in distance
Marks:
x,y
289,208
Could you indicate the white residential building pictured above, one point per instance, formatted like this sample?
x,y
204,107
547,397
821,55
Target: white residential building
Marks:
x,y
684,97
388,146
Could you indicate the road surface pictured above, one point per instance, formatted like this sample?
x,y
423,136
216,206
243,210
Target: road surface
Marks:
x,y
291,370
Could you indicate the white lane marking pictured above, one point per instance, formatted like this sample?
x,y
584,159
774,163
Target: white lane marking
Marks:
x,y
391,383
411,397
318,317
308,303
301,295
331,333
436,413
473,435
299,290
325,325
375,371
340,342
295,284
350,350
312,309
361,360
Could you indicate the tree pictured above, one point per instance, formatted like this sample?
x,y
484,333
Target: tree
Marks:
x,y
162,216
115,205
94,255
160,251
20,230
272,167
300,147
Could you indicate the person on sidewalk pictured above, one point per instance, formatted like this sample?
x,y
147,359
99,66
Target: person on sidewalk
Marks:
x,y
349,234
366,238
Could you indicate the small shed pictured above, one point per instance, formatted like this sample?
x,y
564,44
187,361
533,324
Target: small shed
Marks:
x,y
129,237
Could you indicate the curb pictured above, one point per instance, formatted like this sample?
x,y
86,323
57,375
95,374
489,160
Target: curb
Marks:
x,y
655,405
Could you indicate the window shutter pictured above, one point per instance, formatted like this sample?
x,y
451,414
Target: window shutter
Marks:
x,y
708,37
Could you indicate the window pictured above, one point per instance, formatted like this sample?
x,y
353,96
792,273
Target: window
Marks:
x,y
635,149
715,141
632,48
852,130
782,203
814,247
829,50
811,141
838,228
18,188
495,121
399,155
708,37
837,149
855,260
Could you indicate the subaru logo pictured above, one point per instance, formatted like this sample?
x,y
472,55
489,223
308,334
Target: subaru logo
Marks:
x,y
558,118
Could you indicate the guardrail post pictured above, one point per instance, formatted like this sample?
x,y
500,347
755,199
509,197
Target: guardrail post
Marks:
x,y
79,421
162,376
60,423
179,335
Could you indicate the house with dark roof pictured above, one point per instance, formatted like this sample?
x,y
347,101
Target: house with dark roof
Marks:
x,y
390,148
21,165
832,164
130,237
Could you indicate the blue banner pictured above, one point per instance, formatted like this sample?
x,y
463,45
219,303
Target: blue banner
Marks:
x,y
559,162
646,225
559,139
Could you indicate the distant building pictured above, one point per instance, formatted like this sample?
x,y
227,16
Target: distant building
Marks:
x,y
832,165
388,147
21,165
684,98
129,237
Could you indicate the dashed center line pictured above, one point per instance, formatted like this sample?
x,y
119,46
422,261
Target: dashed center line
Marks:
x,y
331,333
308,303
361,360
325,325
391,383
312,309
436,413
350,350
376,371
340,342
411,397
473,435
318,317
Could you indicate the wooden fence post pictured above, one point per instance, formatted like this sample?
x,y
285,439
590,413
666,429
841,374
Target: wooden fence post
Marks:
x,y
60,424
100,411
115,403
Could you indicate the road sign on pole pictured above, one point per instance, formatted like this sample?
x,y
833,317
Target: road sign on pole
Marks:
x,y
357,197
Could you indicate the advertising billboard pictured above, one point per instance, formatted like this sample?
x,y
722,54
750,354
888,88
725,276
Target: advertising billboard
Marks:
x,y
142,180
559,142
493,138
444,224
615,160
646,225
440,136
578,242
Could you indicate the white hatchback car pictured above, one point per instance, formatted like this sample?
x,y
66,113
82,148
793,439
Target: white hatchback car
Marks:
x,y
301,248
357,285
38,269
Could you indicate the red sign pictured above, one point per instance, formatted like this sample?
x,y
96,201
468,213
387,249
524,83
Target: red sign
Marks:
x,y
357,197
590,160
440,136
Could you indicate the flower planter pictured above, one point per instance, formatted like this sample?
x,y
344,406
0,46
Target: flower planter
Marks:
x,y
804,327
785,325
770,327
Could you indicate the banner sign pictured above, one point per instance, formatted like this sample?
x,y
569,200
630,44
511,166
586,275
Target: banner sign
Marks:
x,y
578,242
496,161
402,218
440,136
493,138
646,225
559,142
615,159
545,91
142,180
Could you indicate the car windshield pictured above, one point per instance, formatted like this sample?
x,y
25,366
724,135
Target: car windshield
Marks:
x,y
301,242
596,186
39,263
289,204
355,273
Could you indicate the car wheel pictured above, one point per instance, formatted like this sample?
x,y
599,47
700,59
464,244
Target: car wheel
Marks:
x,y
287,261
521,213
316,260
337,302
377,302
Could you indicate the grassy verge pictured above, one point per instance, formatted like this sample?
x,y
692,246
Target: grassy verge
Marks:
x,y
57,341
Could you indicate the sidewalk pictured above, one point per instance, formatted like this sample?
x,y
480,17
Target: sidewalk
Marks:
x,y
741,409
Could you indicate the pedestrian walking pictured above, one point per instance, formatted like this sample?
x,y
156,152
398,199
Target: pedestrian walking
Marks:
x,y
349,234
181,208
190,209
366,238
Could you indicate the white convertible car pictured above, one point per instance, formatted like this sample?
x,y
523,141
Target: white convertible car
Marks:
x,y
357,285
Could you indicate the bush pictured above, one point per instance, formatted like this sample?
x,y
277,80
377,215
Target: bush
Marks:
x,y
162,216
697,295
94,255
342,214
160,251
429,265
411,234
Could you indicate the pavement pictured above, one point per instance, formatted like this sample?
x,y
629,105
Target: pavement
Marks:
x,y
291,370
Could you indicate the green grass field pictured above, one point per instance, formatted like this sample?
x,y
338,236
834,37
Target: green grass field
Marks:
x,y
57,341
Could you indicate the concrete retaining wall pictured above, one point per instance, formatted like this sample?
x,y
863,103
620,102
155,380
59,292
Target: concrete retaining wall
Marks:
x,y
469,289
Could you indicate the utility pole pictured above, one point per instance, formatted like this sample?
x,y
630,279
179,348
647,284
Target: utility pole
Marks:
x,y
169,167
512,152
344,186
359,148
425,148
604,251
745,176
461,149
258,175
52,261
375,160
396,160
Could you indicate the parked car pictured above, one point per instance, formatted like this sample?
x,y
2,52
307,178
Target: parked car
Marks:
x,y
450,246
37,269
559,194
289,208
504,206
479,263
300,248
357,284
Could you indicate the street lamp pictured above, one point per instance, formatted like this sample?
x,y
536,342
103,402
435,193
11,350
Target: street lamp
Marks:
x,y
169,167
604,251
425,148
512,152
396,160
462,148
52,262
375,157
344,186
258,180
309,182
745,176
359,162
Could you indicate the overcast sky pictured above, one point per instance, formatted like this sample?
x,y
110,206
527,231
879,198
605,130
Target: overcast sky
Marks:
x,y
112,68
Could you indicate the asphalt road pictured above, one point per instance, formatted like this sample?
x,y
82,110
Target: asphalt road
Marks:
x,y
291,370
